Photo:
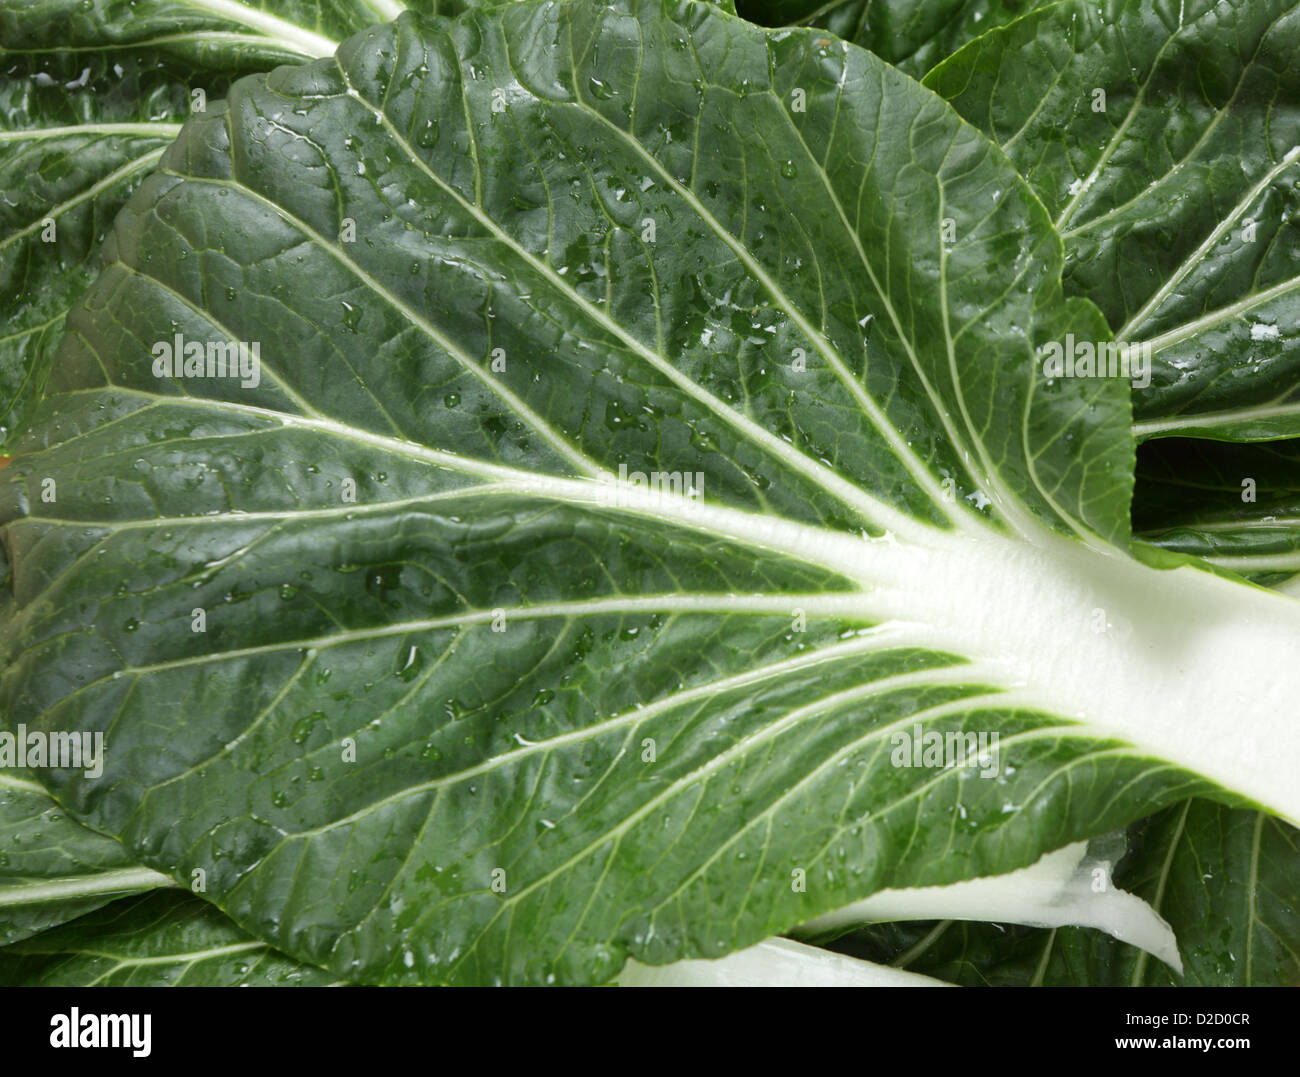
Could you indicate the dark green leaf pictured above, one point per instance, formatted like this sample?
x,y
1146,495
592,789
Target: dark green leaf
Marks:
x,y
913,35
1236,506
156,940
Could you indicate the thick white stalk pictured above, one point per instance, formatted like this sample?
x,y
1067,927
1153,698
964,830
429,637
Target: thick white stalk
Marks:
x,y
1068,887
774,963
1187,667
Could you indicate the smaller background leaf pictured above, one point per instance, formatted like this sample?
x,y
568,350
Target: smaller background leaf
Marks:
x,y
913,35
1225,879
1192,495
167,939
52,868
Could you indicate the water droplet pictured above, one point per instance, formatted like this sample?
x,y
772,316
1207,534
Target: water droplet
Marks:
x,y
351,316
411,665
303,726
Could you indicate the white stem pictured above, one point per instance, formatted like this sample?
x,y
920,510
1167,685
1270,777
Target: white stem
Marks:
x,y
292,36
122,881
774,963
1068,887
1185,666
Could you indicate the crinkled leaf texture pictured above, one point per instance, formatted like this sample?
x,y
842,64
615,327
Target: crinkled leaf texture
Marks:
x,y
461,711
1165,140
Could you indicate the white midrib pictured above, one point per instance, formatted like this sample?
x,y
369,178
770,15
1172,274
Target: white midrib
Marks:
x,y
1186,331
143,130
196,37
1206,665
1252,891
387,10
187,959
1195,670
1177,423
1056,891
290,35
1263,523
8,781
1261,562
1192,669
125,881
271,29
774,961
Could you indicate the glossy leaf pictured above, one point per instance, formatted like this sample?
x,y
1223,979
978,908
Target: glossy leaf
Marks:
x,y
470,714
